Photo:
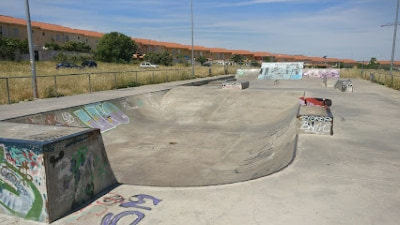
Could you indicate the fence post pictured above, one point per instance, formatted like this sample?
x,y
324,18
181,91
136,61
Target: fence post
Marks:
x,y
115,81
166,76
90,84
136,79
152,77
55,85
385,79
8,91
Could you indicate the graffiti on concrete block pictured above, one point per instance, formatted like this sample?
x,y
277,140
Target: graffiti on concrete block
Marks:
x,y
104,116
281,70
22,190
316,124
76,173
321,73
344,85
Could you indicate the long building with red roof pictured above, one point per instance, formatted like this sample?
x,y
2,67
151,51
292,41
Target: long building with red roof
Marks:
x,y
11,27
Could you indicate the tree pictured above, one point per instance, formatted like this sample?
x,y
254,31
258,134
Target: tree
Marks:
x,y
115,47
268,58
373,63
10,47
201,59
159,58
74,46
52,46
237,58
255,64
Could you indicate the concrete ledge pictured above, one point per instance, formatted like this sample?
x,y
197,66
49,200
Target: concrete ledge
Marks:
x,y
235,85
344,85
314,120
48,172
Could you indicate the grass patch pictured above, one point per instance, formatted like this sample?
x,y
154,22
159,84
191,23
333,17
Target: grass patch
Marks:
x,y
107,76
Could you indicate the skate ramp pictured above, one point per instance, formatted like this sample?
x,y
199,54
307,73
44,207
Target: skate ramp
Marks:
x,y
196,136
189,135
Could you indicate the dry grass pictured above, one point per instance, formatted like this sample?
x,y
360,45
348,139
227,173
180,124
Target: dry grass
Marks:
x,y
17,78
380,76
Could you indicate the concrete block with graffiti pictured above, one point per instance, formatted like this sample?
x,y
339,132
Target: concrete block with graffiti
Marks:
x,y
236,85
314,116
47,172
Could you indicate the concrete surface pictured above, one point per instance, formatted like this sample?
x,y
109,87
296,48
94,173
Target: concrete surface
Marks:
x,y
351,177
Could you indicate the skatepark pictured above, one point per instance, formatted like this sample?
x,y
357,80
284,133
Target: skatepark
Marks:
x,y
183,153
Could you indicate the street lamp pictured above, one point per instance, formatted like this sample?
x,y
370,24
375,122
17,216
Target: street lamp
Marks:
x,y
31,53
191,15
394,40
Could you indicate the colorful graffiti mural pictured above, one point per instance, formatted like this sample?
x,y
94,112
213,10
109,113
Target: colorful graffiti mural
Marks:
x,y
22,188
321,73
104,116
281,70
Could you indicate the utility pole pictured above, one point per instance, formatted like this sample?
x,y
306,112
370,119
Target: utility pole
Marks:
x,y
31,53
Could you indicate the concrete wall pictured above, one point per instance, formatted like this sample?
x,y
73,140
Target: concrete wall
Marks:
x,y
77,169
321,73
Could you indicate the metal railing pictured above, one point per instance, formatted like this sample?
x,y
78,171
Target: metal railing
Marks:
x,y
18,88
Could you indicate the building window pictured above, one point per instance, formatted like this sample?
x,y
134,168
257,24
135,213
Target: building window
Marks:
x,y
1,31
44,34
57,37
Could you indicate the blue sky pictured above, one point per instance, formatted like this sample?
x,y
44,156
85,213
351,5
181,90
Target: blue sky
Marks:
x,y
347,29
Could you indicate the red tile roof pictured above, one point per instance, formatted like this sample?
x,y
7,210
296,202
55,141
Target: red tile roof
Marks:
x,y
47,26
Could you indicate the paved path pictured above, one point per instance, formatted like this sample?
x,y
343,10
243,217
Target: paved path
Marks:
x,y
352,177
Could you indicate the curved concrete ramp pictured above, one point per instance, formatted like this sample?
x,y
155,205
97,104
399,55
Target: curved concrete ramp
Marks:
x,y
196,136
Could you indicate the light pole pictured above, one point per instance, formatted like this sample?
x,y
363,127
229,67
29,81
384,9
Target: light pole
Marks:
x,y
31,53
191,15
394,40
